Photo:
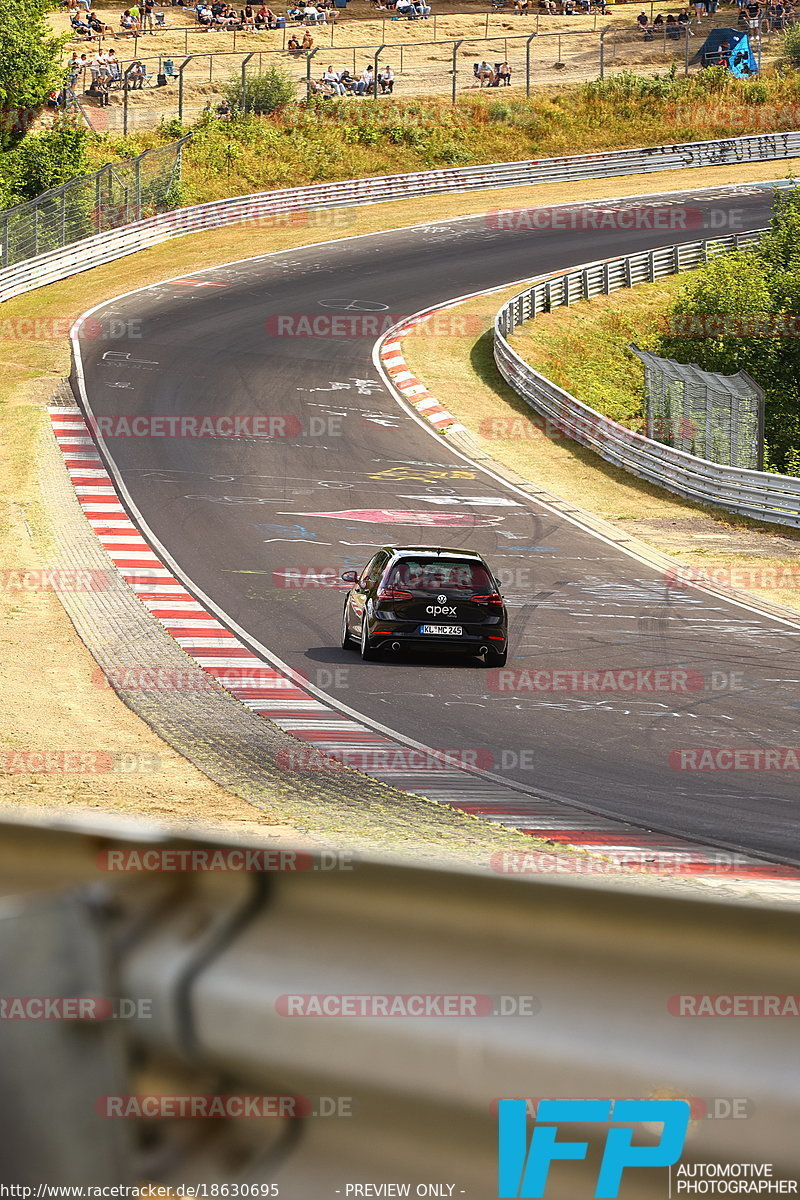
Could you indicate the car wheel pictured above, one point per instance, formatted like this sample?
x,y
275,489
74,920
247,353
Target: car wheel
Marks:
x,y
367,652
347,640
495,658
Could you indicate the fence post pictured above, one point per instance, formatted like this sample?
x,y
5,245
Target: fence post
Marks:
x,y
6,243
180,86
528,64
603,33
138,179
375,73
309,57
97,209
456,46
686,50
245,61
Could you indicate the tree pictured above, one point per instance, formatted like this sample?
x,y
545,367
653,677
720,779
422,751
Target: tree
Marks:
x,y
739,312
29,64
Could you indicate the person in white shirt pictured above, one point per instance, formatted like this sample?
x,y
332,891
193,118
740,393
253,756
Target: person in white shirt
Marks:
x,y
366,81
386,80
310,14
332,79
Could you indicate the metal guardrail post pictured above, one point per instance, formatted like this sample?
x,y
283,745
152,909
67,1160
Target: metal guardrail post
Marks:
x,y
528,64
456,47
686,37
309,59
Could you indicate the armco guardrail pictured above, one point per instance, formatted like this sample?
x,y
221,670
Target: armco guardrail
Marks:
x,y
115,244
268,976
756,494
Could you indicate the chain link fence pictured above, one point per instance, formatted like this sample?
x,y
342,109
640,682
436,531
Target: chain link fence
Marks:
x,y
713,416
111,197
443,67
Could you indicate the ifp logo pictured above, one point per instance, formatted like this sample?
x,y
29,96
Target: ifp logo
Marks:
x,y
523,1170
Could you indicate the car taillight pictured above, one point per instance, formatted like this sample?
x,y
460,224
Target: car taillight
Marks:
x,y
490,598
394,594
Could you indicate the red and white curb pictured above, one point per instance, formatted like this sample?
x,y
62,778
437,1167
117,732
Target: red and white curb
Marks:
x,y
324,731
411,389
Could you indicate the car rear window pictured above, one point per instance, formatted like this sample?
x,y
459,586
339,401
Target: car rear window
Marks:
x,y
435,575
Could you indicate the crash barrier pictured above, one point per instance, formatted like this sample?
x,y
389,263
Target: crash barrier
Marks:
x,y
267,207
120,192
758,494
395,1003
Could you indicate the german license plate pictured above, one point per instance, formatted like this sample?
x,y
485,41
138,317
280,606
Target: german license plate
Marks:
x,y
447,630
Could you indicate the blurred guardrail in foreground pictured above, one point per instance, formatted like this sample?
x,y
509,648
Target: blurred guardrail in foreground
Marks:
x,y
384,1008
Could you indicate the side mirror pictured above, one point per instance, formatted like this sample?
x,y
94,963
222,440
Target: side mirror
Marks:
x,y
350,576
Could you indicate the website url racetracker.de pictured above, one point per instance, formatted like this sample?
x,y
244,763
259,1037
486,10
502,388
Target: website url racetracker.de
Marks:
x,y
145,1191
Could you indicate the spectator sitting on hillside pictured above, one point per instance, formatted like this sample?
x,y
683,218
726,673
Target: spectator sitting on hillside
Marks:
x,y
643,21
308,41
224,110
99,27
777,17
331,78
386,80
723,58
659,22
127,23
293,46
80,29
366,81
504,74
521,7
247,18
204,14
549,7
567,7
136,75
673,31
347,82
484,73
685,20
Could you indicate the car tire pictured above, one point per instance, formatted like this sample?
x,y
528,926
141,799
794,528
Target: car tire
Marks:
x,y
347,638
367,652
496,658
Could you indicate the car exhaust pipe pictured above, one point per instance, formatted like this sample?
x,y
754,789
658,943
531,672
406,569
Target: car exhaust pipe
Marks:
x,y
484,650
395,645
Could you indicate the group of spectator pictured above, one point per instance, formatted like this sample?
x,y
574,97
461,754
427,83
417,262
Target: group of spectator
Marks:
x,y
342,83
774,16
673,26
253,18
412,10
492,76
560,8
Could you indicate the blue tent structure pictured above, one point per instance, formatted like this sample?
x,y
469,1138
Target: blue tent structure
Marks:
x,y
740,57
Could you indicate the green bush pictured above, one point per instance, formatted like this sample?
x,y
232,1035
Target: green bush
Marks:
x,y
791,47
266,93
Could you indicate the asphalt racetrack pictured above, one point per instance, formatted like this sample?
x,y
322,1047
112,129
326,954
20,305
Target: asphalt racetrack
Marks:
x,y
245,517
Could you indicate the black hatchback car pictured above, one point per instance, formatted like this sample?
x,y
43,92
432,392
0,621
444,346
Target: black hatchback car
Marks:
x,y
421,597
